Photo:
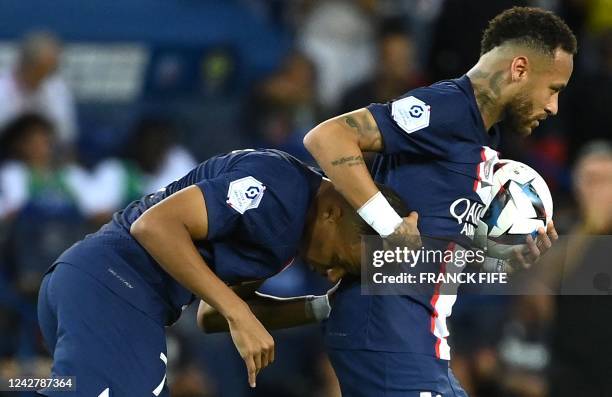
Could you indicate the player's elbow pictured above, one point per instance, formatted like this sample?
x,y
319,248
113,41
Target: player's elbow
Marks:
x,y
138,228
144,228
310,140
318,138
328,137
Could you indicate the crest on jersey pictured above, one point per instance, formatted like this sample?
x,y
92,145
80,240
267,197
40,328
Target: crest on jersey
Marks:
x,y
245,194
411,114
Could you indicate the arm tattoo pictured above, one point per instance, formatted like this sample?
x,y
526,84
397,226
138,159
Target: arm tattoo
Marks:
x,y
349,161
366,129
350,120
360,123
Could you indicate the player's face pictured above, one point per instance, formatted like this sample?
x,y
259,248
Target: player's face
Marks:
x,y
331,245
328,247
539,97
331,254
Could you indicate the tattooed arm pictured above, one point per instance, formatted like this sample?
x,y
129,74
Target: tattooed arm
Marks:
x,y
337,145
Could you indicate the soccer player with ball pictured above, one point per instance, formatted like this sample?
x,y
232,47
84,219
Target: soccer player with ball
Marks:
x,y
436,149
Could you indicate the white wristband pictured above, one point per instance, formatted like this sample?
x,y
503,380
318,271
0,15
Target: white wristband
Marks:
x,y
318,306
378,213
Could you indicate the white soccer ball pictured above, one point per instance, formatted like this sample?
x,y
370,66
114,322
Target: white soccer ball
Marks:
x,y
521,203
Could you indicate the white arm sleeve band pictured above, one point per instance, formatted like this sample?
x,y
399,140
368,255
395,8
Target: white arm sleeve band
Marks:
x,y
378,213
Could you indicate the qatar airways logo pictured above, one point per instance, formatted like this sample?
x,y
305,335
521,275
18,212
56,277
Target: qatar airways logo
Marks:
x,y
467,213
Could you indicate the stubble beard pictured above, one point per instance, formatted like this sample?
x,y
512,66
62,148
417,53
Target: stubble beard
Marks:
x,y
517,115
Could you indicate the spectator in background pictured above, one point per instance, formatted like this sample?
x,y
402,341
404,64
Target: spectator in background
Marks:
x,y
38,209
29,172
589,99
33,86
524,355
593,188
154,159
339,35
284,107
39,213
419,16
396,72
151,160
581,361
456,36
502,349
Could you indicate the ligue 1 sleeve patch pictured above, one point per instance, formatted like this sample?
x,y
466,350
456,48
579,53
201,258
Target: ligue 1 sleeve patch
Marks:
x,y
245,194
411,114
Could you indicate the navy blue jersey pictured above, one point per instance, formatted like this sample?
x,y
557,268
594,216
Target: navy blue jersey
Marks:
x,y
257,201
439,158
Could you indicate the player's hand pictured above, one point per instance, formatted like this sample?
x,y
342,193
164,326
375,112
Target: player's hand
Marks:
x,y
523,256
407,233
253,342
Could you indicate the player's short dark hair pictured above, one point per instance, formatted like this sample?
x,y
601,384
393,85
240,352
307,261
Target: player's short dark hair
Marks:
x,y
530,26
396,202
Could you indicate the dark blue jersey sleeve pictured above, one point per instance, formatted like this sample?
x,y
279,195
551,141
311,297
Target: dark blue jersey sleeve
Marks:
x,y
241,206
222,219
425,122
258,200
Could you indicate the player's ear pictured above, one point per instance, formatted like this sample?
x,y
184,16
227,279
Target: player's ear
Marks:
x,y
519,68
333,212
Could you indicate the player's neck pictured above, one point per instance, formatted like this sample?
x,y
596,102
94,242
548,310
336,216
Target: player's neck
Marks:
x,y
487,90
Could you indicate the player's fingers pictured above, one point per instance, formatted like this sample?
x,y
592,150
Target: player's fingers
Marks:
x,y
272,353
551,231
543,240
507,268
264,360
414,216
251,370
411,230
520,258
533,251
257,358
267,355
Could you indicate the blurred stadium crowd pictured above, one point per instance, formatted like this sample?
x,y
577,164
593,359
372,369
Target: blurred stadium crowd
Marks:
x,y
103,102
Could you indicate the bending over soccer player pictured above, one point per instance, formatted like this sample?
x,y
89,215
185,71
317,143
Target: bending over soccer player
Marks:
x,y
436,147
239,217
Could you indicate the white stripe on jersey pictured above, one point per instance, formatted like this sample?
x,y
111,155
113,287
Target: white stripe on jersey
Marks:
x,y
443,306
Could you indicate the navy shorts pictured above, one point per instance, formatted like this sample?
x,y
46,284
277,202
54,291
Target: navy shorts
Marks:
x,y
364,373
110,347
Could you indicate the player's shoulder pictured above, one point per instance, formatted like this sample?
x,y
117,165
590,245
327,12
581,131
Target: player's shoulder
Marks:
x,y
274,190
447,94
444,104
275,165
286,181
